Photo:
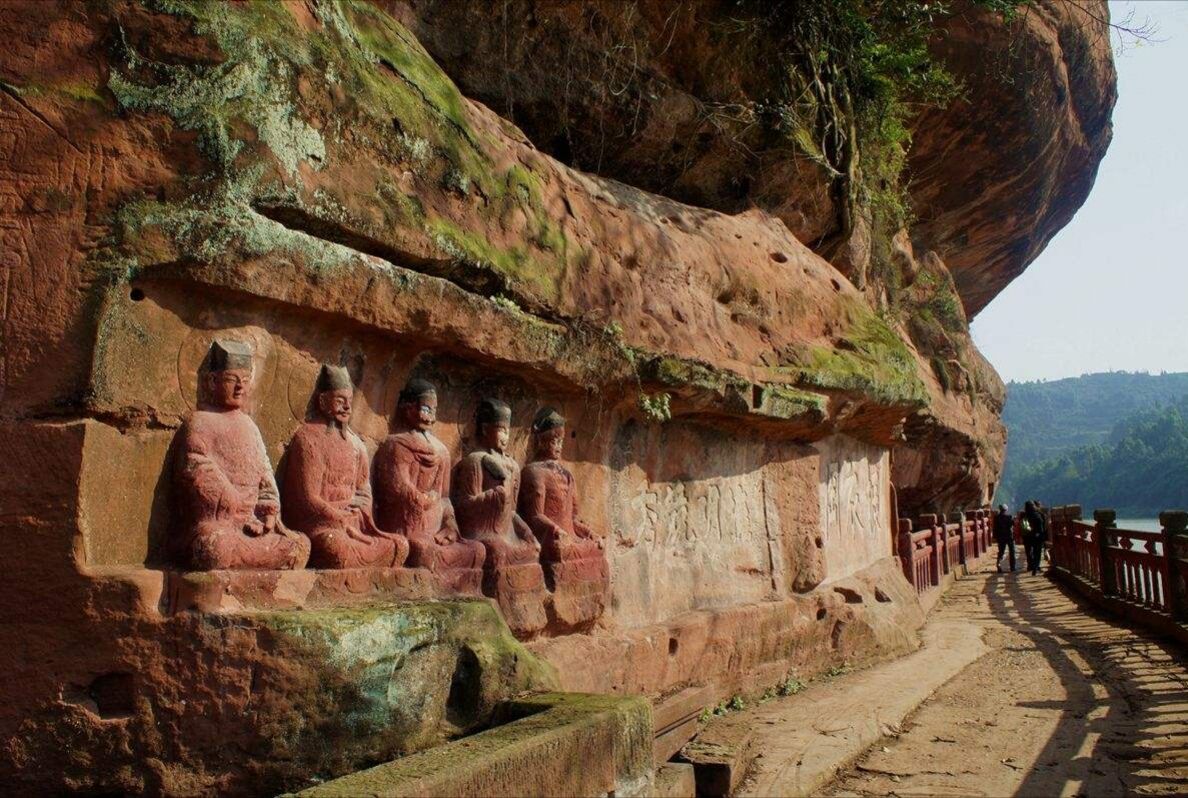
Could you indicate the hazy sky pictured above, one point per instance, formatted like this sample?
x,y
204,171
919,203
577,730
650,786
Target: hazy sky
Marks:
x,y
1110,292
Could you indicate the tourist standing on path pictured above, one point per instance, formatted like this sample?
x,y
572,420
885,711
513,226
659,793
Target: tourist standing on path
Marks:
x,y
1004,536
1035,532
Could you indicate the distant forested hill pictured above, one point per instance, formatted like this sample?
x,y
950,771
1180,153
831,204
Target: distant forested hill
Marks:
x,y
1048,419
1142,469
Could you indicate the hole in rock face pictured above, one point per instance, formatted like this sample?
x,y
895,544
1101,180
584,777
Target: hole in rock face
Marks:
x,y
756,396
835,636
136,295
881,597
850,595
113,695
465,689
821,613
779,257
836,285
820,541
673,645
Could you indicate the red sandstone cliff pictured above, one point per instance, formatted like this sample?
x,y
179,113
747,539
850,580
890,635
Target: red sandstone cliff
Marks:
x,y
307,176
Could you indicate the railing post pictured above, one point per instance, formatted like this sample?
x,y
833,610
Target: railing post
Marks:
x,y
906,550
971,517
959,519
1066,554
1103,520
942,545
1175,547
928,521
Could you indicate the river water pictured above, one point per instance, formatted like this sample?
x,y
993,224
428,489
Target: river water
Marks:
x,y
1138,524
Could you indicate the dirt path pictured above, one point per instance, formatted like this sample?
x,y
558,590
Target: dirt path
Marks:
x,y
1066,702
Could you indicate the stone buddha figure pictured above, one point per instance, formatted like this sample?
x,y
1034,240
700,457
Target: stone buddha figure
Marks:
x,y
573,559
222,479
411,477
486,485
327,485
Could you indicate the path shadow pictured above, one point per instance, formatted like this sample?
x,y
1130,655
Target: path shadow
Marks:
x,y
1144,731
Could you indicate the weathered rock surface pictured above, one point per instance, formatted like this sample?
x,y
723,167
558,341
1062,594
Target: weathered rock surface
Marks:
x,y
304,177
665,98
1000,172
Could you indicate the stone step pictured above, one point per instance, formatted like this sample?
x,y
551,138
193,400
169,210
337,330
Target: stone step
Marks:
x,y
721,756
675,780
675,720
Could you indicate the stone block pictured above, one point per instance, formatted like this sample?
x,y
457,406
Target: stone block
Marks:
x,y
552,744
675,780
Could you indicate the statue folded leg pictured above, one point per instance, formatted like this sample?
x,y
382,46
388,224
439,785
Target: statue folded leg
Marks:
x,y
219,546
457,566
337,549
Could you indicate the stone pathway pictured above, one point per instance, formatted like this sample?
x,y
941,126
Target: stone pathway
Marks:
x,y
801,741
1065,702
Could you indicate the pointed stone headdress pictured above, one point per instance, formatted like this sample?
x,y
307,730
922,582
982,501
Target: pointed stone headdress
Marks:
x,y
492,411
547,419
334,378
414,389
226,354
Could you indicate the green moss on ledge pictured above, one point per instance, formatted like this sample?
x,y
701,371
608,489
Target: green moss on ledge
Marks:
x,y
869,359
386,97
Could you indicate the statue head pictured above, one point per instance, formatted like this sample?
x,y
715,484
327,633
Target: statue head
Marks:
x,y
417,406
229,375
493,424
335,392
548,434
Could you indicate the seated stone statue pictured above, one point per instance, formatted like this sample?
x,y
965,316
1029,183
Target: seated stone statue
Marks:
x,y
327,485
574,562
411,477
223,483
485,488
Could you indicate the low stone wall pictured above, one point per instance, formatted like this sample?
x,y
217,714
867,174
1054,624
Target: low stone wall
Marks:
x,y
871,615
552,744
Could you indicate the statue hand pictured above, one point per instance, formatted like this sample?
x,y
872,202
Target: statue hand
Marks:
x,y
270,524
445,537
253,529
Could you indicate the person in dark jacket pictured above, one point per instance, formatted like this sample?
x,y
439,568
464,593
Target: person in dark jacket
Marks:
x,y
1034,536
1004,536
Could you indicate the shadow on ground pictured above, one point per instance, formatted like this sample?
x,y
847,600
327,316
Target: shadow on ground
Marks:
x,y
1142,737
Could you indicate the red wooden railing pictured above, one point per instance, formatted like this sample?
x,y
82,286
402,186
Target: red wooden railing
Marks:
x,y
1141,573
931,549
915,552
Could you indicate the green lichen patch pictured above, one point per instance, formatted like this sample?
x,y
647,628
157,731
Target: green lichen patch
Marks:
x,y
356,81
66,90
869,359
728,391
252,89
518,264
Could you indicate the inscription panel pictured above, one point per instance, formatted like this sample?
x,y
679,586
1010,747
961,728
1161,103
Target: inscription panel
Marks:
x,y
695,527
854,495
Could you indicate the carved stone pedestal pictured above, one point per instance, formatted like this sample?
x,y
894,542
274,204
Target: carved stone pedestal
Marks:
x,y
580,589
520,592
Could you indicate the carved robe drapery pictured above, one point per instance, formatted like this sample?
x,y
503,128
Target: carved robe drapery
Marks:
x,y
224,488
409,467
327,495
